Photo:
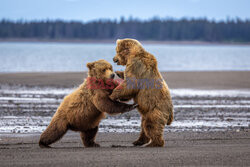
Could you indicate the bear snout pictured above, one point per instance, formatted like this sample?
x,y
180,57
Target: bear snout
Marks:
x,y
112,76
115,60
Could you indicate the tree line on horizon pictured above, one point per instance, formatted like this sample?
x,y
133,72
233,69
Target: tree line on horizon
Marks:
x,y
234,30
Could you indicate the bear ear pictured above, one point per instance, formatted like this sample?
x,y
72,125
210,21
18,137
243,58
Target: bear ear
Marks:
x,y
118,41
90,65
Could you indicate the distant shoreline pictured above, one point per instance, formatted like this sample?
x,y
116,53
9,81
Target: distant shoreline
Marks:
x,y
218,80
110,41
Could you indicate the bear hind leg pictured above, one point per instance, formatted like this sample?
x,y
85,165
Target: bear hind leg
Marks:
x,y
88,137
154,127
53,133
143,139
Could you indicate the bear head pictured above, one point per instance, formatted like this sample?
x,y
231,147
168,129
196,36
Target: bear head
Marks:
x,y
101,70
125,48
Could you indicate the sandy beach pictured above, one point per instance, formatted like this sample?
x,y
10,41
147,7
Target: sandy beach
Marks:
x,y
211,126
182,149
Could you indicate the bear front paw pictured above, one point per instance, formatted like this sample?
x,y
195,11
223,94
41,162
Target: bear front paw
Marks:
x,y
131,107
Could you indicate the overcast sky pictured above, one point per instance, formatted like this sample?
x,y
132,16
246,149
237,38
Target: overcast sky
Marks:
x,y
85,10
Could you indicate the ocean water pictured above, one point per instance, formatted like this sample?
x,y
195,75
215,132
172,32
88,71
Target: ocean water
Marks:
x,y
61,57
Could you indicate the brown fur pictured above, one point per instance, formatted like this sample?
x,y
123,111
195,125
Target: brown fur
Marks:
x,y
83,109
155,105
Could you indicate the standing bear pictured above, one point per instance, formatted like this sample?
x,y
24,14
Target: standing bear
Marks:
x,y
144,83
83,109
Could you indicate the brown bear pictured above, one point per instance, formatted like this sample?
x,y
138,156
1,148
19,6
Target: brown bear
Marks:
x,y
83,109
144,83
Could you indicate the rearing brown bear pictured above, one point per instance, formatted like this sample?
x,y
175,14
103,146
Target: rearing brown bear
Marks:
x,y
144,83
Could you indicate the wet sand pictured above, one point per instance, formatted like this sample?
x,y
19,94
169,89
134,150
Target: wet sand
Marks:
x,y
192,80
182,149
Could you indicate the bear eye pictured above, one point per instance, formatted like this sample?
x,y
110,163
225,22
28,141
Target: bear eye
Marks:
x,y
103,70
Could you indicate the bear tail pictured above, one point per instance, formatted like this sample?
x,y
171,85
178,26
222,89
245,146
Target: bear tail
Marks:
x,y
170,118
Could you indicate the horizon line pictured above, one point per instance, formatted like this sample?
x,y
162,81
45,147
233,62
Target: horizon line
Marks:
x,y
130,18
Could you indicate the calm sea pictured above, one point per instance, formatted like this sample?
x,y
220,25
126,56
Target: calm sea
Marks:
x,y
59,57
